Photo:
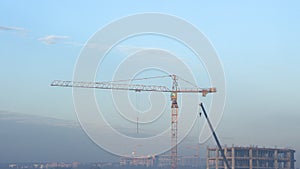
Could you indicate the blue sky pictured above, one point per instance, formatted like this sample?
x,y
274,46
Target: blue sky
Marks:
x,y
256,41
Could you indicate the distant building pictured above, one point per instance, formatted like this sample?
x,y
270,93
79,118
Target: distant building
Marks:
x,y
162,161
192,161
251,158
147,161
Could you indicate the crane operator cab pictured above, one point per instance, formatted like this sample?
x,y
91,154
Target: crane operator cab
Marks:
x,y
174,100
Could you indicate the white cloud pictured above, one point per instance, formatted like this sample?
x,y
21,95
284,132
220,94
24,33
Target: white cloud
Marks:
x,y
52,39
7,28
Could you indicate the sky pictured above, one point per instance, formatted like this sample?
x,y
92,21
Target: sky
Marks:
x,y
256,41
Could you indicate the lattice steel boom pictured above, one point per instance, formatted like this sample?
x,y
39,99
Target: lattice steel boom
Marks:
x,y
134,87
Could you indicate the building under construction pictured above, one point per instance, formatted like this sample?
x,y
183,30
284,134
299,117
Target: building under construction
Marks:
x,y
251,158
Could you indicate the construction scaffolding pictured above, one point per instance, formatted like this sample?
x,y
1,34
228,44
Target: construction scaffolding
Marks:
x,y
251,158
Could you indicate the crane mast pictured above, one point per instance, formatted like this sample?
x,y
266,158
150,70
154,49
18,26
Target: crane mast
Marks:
x,y
174,123
115,85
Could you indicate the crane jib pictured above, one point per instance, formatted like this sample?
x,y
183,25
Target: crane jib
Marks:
x,y
132,87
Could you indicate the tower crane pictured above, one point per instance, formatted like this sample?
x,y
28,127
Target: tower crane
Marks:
x,y
116,85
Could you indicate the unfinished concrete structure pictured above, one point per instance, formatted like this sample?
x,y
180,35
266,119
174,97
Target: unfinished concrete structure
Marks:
x,y
251,158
